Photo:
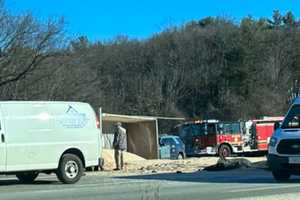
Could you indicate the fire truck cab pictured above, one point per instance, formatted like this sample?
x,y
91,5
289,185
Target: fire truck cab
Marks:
x,y
211,137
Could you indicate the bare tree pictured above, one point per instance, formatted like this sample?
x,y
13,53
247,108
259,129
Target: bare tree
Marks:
x,y
25,43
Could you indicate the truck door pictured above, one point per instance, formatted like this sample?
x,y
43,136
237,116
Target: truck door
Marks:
x,y
2,146
211,135
264,131
186,134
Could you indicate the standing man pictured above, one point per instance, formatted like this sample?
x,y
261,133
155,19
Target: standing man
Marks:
x,y
120,145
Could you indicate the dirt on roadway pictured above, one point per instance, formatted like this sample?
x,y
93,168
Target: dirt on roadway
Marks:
x,y
136,164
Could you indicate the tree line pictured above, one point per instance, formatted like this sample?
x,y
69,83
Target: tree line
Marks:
x,y
209,68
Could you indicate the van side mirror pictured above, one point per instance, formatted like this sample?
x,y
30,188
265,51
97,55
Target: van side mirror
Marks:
x,y
276,125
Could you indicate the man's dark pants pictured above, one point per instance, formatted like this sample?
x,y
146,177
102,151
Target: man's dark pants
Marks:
x,y
119,158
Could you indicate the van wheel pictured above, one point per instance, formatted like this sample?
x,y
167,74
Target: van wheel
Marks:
x,y
224,151
27,177
281,175
70,169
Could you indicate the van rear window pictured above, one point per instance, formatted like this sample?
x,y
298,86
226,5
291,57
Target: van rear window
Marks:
x,y
292,119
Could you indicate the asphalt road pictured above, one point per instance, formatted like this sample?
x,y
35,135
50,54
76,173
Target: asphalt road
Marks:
x,y
232,184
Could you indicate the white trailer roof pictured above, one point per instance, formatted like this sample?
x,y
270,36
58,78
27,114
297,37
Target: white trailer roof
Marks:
x,y
133,119
107,117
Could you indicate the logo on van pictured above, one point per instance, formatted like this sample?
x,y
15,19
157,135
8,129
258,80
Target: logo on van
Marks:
x,y
73,119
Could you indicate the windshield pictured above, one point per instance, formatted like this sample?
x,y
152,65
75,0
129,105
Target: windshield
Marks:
x,y
192,130
292,120
230,128
178,140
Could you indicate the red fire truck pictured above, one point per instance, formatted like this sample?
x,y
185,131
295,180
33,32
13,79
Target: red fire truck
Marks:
x,y
224,138
211,137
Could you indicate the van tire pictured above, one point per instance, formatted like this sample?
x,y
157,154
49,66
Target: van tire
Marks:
x,y
27,177
70,169
281,175
224,151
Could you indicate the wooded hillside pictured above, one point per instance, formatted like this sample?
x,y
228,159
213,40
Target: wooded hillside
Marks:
x,y
211,68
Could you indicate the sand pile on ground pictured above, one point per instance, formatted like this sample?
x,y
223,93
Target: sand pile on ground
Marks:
x,y
200,163
186,165
137,164
109,161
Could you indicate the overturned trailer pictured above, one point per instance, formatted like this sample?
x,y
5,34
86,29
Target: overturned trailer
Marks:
x,y
142,133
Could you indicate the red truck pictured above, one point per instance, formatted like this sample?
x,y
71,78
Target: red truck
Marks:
x,y
211,137
224,138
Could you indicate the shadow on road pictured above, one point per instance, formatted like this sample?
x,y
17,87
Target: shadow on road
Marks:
x,y
16,182
249,176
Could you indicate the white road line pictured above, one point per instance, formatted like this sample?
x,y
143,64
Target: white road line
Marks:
x,y
264,188
68,189
290,196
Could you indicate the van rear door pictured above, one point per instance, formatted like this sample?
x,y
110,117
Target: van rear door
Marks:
x,y
2,145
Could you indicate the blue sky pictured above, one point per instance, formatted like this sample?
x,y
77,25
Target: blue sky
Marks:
x,y
103,20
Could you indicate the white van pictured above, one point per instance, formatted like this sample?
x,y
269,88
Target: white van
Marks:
x,y
284,145
46,137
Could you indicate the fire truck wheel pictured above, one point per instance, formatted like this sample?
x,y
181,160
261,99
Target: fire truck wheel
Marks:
x,y
281,175
224,151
